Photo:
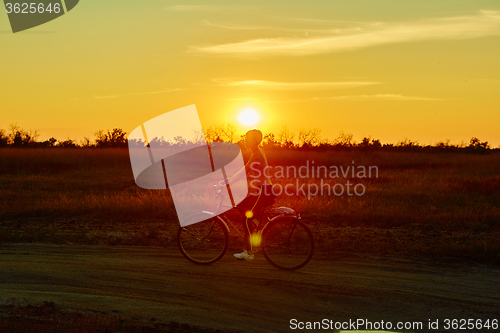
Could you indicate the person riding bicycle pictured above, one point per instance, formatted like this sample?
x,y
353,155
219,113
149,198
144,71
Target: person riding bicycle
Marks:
x,y
260,194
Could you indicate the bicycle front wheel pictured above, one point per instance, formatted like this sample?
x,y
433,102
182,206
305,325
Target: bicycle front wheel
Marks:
x,y
203,242
287,243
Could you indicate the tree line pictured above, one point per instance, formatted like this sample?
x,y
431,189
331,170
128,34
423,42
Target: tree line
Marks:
x,y
304,140
17,137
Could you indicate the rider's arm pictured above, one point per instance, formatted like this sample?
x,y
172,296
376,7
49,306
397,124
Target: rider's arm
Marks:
x,y
255,158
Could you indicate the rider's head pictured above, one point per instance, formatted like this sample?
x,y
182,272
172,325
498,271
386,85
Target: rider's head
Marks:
x,y
253,138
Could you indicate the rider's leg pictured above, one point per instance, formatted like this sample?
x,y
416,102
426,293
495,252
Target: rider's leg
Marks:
x,y
248,232
247,208
248,253
250,207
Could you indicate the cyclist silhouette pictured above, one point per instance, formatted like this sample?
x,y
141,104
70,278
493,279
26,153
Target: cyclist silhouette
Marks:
x,y
260,194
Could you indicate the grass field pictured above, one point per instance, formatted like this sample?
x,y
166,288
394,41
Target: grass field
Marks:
x,y
429,204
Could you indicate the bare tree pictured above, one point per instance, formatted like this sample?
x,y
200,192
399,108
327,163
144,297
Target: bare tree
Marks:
x,y
69,143
285,137
111,139
50,142
4,139
86,142
199,137
213,133
180,141
19,137
221,133
344,139
408,143
269,141
309,138
477,146
229,132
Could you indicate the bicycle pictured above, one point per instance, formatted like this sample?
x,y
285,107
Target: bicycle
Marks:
x,y
286,242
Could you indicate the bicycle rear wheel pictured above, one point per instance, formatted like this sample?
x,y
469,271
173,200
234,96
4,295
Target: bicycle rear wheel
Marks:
x,y
287,243
203,242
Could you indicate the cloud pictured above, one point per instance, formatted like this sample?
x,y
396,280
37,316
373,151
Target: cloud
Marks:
x,y
106,97
137,94
312,20
235,27
197,8
157,92
240,99
262,27
485,23
380,97
275,85
187,8
375,97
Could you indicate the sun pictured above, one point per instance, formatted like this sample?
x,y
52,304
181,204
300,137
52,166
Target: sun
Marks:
x,y
248,117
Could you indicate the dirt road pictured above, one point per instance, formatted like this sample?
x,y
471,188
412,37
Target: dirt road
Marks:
x,y
247,296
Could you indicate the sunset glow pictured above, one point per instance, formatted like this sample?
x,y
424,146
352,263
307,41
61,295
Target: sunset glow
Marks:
x,y
387,69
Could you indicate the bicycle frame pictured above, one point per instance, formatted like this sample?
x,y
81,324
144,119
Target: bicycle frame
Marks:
x,y
276,212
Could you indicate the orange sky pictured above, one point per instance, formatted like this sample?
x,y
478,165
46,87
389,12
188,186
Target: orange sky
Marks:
x,y
392,70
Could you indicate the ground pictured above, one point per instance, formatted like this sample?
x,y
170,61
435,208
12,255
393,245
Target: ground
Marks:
x,y
157,285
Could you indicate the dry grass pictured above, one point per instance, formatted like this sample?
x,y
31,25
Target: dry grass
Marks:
x,y
421,203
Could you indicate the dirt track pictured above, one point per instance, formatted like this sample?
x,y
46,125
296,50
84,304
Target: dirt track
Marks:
x,y
246,296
